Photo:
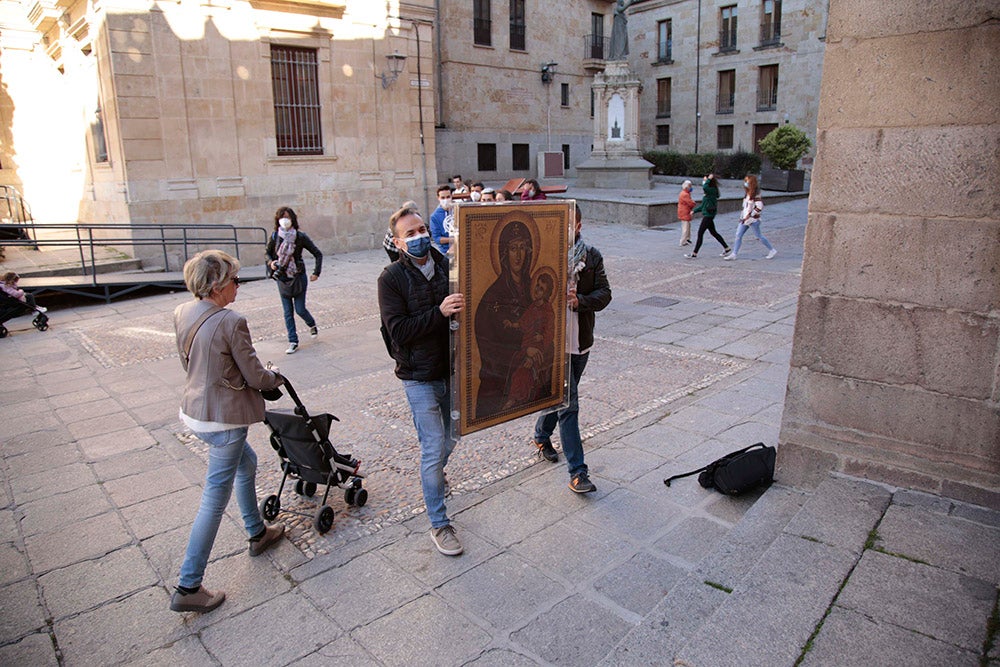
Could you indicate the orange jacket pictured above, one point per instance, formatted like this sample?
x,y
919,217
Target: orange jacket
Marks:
x,y
684,205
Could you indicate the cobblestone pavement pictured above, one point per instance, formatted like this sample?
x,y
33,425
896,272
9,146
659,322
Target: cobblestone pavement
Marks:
x,y
101,483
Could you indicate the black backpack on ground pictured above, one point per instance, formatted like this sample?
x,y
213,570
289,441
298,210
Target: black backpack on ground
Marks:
x,y
736,472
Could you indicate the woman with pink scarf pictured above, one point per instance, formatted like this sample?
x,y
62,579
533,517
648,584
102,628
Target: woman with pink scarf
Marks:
x,y
286,266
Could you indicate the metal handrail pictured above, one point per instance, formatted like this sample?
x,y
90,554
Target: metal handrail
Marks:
x,y
86,242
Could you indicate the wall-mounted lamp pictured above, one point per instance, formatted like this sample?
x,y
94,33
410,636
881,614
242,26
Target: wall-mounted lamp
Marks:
x,y
396,62
548,71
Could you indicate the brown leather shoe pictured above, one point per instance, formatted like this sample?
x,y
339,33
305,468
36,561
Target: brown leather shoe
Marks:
x,y
272,534
201,601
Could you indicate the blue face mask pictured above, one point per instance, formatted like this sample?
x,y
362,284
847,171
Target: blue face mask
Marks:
x,y
418,246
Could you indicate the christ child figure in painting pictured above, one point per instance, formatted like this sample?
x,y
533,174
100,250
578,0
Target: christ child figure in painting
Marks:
x,y
531,375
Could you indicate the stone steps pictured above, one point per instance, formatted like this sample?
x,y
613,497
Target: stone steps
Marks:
x,y
758,597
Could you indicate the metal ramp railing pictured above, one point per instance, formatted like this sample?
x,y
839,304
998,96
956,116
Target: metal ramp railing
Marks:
x,y
175,243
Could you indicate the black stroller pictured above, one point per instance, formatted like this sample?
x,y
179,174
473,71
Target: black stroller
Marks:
x,y
11,308
303,443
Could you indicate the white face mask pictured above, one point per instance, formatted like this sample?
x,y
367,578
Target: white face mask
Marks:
x,y
445,203
476,196
285,223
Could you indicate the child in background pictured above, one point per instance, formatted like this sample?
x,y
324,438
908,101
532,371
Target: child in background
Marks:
x,y
9,286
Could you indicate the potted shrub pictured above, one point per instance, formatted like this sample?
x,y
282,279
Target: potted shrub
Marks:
x,y
783,147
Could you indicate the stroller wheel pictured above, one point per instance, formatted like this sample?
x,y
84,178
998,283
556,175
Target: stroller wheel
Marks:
x,y
349,495
361,497
41,322
269,507
309,488
324,519
298,488
3,331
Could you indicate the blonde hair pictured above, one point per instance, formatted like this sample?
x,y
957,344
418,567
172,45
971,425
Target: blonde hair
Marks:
x,y
208,271
10,278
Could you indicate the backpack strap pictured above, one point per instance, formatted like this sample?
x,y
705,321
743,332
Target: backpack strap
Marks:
x,y
704,468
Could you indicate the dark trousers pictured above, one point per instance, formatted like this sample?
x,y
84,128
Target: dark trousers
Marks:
x,y
708,224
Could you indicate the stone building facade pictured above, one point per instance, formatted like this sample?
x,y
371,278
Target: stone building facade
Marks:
x,y
495,111
895,369
724,81
220,112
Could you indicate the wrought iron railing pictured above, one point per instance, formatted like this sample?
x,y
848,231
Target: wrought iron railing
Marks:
x,y
596,47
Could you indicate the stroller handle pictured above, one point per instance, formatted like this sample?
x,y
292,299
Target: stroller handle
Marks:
x,y
300,409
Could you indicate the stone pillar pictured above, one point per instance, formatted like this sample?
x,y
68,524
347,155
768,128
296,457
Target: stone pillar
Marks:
x,y
616,161
895,369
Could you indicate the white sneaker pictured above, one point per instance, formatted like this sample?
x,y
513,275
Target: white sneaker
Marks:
x,y
313,332
691,255
42,309
292,347
725,252
729,257
771,254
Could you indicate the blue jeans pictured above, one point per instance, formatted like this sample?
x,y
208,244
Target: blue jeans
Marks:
x,y
296,304
568,419
430,403
230,459
741,229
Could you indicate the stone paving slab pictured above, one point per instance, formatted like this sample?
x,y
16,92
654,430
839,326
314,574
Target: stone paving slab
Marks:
x,y
427,626
841,512
774,609
88,584
953,543
950,607
295,628
668,626
575,631
850,638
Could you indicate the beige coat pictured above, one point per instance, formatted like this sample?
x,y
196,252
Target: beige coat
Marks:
x,y
224,375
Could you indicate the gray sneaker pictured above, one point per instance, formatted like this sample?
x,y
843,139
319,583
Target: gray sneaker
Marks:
x,y
446,541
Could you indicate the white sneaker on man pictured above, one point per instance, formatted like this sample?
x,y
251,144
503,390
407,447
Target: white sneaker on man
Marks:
x,y
292,347
771,254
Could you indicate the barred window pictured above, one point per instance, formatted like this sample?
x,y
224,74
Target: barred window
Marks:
x,y
664,41
662,135
520,157
727,28
663,98
517,23
295,80
726,101
767,88
724,137
482,27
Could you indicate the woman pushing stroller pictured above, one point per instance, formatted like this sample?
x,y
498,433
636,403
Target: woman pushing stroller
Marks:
x,y
221,399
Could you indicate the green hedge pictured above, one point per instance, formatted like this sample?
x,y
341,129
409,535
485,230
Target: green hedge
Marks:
x,y
723,165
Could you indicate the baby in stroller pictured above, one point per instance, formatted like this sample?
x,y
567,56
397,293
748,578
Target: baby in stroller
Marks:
x,y
15,302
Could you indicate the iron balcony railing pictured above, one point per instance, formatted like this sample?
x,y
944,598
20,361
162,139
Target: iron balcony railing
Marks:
x,y
596,47
770,33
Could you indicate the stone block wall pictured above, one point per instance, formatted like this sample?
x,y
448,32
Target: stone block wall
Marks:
x,y
895,370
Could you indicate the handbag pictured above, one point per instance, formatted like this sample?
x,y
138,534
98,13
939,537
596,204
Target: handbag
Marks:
x,y
736,472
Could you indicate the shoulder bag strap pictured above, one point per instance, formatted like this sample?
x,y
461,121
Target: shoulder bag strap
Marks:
x,y
194,330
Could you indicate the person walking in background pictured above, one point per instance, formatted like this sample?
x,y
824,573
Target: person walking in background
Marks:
x,y
709,206
286,266
589,292
750,218
415,305
221,400
684,206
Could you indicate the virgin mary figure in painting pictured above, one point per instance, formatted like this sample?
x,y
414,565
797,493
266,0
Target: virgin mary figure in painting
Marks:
x,y
505,300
